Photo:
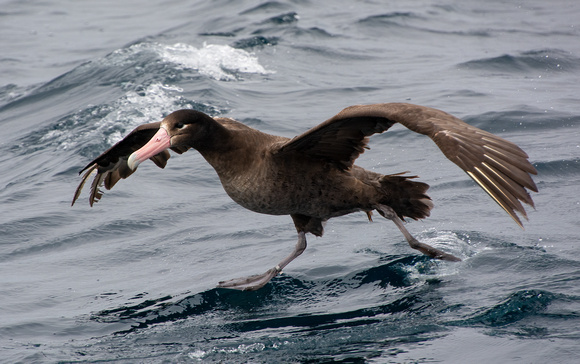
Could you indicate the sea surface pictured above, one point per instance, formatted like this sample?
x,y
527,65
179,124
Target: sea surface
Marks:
x,y
133,279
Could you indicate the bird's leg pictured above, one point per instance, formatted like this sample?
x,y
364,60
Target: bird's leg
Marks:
x,y
426,249
258,281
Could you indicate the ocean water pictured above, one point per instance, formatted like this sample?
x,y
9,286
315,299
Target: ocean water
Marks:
x,y
132,280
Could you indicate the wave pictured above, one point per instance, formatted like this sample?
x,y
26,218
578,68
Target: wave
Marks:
x,y
224,325
559,168
516,307
554,60
142,84
256,41
403,277
268,6
287,18
268,31
522,118
389,17
413,21
144,63
97,127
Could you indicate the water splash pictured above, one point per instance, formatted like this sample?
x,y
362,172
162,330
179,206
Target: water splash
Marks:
x,y
220,62
88,126
144,98
239,349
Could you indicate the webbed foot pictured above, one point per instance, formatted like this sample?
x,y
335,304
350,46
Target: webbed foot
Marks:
x,y
251,283
258,281
389,213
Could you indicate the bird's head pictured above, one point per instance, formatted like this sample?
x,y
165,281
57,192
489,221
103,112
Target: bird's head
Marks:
x,y
181,129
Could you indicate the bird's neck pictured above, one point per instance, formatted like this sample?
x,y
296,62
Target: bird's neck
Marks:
x,y
237,152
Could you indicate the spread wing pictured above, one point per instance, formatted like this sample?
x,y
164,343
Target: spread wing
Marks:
x,y
111,166
498,166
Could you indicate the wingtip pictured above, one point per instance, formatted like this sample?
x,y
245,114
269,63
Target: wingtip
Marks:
x,y
510,211
517,219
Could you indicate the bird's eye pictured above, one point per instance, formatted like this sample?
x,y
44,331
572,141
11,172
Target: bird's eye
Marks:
x,y
179,125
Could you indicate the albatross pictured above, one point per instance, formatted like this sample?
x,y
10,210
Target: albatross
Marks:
x,y
312,177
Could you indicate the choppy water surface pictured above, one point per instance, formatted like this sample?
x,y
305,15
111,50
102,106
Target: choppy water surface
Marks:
x,y
133,278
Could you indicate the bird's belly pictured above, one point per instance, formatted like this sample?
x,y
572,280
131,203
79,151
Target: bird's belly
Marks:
x,y
318,197
264,204
263,199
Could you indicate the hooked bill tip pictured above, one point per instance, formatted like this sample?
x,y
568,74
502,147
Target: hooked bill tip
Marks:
x,y
133,161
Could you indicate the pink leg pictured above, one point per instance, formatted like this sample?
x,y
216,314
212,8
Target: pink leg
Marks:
x,y
390,214
258,281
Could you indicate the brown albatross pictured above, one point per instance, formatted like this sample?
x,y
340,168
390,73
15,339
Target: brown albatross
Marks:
x,y
312,177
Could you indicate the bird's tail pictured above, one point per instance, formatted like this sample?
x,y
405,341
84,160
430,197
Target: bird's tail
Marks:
x,y
408,198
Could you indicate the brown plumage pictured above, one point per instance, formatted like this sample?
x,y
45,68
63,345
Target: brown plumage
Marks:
x,y
312,177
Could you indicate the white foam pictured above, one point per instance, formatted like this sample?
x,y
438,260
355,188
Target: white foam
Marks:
x,y
132,109
220,62
142,107
240,349
447,241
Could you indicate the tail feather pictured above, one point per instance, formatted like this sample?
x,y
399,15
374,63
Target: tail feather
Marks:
x,y
408,198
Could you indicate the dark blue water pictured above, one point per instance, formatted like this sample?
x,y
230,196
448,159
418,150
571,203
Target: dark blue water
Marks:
x,y
132,279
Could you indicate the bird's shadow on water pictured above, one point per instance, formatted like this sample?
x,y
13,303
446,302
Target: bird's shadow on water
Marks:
x,y
269,306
